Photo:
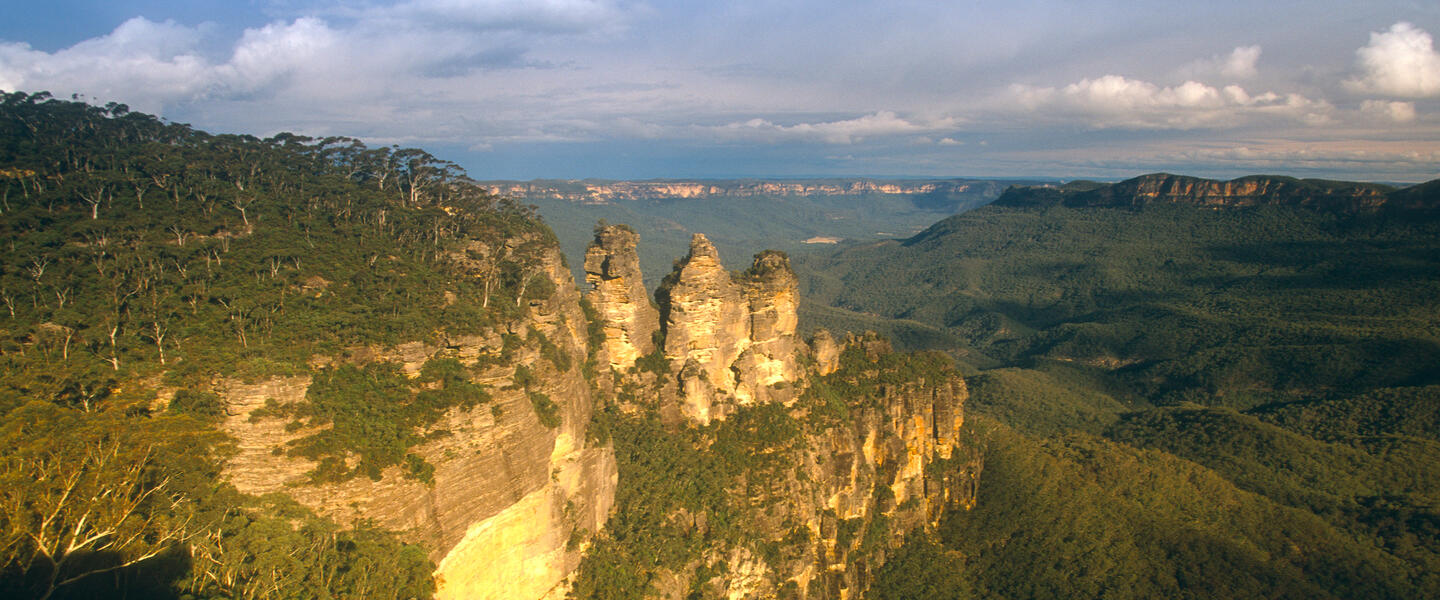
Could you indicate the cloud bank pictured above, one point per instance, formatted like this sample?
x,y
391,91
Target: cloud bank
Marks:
x,y
941,90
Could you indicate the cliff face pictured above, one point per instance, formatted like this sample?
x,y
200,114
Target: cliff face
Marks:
x,y
1246,191
1252,191
897,464
509,493
612,269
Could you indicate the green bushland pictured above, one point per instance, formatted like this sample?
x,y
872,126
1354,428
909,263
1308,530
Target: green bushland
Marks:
x,y
1080,516
142,255
1184,402
1241,307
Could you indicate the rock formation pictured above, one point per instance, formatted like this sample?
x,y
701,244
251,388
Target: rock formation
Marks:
x,y
612,269
705,324
875,461
733,337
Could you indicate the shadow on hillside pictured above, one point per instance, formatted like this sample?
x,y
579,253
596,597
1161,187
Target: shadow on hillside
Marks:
x,y
1320,265
153,579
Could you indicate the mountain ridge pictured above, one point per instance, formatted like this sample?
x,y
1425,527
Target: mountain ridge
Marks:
x,y
1241,192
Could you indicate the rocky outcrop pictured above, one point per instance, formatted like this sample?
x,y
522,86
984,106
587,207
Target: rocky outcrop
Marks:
x,y
612,270
705,325
512,500
900,462
515,500
767,366
732,336
826,352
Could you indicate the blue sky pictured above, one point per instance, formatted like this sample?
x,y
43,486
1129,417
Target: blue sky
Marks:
x,y
778,88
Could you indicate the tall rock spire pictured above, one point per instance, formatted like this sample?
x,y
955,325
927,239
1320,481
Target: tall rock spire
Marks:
x,y
612,268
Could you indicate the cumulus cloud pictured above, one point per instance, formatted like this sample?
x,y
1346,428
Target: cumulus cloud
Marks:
x,y
278,50
1115,101
1399,62
362,72
144,62
878,124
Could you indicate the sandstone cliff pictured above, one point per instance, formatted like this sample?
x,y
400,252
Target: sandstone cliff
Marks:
x,y
733,337
612,269
512,498
894,464
1252,191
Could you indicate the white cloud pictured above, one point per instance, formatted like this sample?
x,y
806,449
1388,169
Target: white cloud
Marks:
x,y
1400,62
878,124
1114,101
1241,62
142,62
274,51
1399,112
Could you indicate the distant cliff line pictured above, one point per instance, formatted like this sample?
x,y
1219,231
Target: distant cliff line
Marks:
x,y
603,192
1250,191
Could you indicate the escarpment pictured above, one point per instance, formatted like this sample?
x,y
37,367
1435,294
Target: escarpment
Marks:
x,y
828,453
1245,192
516,486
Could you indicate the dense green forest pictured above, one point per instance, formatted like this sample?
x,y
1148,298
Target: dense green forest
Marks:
x,y
144,260
1178,401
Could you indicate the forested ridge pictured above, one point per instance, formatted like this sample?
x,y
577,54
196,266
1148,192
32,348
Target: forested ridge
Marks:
x,y
1178,400
143,261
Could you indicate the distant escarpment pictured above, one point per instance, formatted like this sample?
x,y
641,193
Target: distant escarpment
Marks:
x,y
601,192
1251,191
751,463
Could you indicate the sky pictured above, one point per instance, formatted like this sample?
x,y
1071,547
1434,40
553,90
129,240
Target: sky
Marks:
x,y
621,89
